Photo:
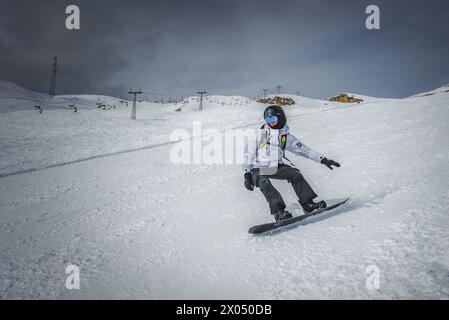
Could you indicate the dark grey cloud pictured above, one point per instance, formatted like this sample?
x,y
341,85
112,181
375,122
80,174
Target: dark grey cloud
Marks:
x,y
173,48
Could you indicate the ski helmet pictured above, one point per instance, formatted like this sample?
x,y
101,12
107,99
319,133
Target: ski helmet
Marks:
x,y
275,117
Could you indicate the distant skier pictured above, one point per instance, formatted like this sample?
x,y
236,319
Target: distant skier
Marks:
x,y
39,108
276,125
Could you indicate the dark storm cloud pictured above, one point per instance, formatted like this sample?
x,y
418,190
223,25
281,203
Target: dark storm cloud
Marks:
x,y
173,48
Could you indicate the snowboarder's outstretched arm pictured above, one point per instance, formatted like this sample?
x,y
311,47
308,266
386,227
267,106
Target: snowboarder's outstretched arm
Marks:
x,y
294,145
298,148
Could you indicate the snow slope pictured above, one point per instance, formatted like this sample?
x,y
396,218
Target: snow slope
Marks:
x,y
97,190
368,99
441,90
15,98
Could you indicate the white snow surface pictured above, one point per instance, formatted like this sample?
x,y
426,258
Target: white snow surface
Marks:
x,y
97,190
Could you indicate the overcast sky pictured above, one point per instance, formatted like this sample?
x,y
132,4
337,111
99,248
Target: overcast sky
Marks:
x,y
232,47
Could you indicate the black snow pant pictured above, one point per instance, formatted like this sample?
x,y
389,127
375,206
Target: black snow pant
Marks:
x,y
302,189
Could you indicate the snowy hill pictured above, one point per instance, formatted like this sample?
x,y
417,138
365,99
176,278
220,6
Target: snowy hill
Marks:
x,y
12,90
368,99
441,90
15,98
98,190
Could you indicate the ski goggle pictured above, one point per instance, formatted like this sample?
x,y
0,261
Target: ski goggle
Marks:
x,y
271,119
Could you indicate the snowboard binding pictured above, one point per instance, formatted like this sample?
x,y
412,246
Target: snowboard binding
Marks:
x,y
310,206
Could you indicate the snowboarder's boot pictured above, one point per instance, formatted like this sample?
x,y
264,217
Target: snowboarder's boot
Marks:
x,y
282,215
312,206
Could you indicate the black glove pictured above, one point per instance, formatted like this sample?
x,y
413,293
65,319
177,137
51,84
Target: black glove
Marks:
x,y
249,182
330,163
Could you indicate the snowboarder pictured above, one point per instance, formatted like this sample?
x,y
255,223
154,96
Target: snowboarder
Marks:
x,y
276,125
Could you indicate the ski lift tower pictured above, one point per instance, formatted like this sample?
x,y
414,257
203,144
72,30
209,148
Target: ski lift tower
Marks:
x,y
201,93
265,92
278,89
133,111
53,77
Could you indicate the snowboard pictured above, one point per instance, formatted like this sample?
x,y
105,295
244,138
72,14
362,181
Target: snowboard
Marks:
x,y
279,224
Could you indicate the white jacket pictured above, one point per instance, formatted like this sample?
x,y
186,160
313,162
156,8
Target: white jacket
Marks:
x,y
292,144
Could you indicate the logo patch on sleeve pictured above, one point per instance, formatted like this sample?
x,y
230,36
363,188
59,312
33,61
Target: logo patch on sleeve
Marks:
x,y
283,141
